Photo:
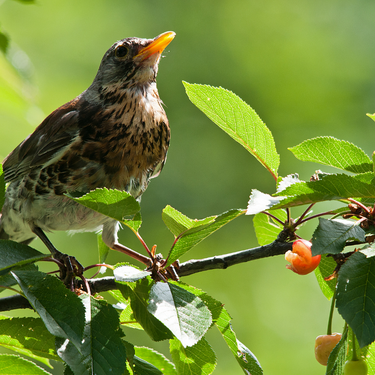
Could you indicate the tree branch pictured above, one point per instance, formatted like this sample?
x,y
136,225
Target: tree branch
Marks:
x,y
188,268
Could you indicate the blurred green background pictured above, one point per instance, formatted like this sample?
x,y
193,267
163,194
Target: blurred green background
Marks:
x,y
306,67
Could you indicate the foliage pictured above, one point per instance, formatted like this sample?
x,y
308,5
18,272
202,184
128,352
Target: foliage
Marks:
x,y
86,332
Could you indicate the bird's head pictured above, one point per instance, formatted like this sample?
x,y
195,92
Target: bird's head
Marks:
x,y
132,61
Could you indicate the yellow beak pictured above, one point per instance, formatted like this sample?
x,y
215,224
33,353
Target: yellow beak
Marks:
x,y
157,45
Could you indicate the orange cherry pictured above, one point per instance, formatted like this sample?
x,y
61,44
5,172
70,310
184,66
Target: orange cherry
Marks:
x,y
302,262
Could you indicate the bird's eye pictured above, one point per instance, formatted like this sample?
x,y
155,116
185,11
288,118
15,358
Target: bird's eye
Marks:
x,y
121,51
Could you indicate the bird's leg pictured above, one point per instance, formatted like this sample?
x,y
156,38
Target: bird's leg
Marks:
x,y
69,266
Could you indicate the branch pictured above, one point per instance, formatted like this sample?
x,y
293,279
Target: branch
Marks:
x,y
188,268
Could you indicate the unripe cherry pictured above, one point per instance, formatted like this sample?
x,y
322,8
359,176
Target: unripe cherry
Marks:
x,y
324,345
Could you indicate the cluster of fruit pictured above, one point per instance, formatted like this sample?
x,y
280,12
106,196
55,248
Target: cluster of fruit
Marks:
x,y
302,262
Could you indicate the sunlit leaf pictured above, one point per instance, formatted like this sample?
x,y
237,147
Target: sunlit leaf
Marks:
x,y
238,120
333,152
15,365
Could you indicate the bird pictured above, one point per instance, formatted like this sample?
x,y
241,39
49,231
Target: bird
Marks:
x,y
114,135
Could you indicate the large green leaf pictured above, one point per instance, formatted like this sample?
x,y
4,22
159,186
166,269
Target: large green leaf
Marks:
x,y
335,153
182,312
60,309
356,296
331,235
237,119
101,351
193,231
29,337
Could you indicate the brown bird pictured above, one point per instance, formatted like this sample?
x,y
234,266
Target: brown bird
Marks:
x,y
114,135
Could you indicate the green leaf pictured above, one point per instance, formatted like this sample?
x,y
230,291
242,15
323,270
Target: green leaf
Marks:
x,y
103,249
112,203
61,310
14,365
178,223
243,355
266,228
101,351
185,314
336,359
331,187
193,360
335,153
372,116
156,359
13,254
2,187
135,223
331,235
4,42
356,296
29,337
238,120
138,294
325,269
8,280
196,233
222,320
261,202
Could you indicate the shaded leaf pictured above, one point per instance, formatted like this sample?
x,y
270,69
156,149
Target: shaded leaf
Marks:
x,y
14,365
331,235
325,269
8,280
4,42
29,337
335,153
138,294
2,187
185,314
15,254
238,120
193,360
60,309
101,351
356,296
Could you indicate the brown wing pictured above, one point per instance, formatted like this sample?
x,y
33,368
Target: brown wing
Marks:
x,y
54,134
